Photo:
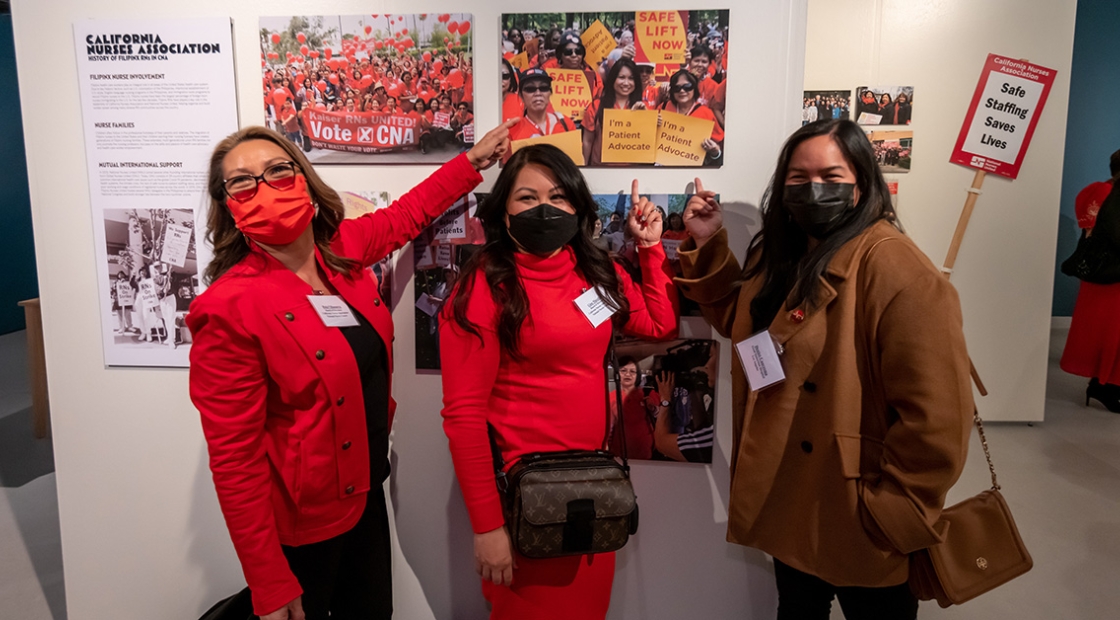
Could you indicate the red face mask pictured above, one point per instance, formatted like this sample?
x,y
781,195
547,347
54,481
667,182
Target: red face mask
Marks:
x,y
274,216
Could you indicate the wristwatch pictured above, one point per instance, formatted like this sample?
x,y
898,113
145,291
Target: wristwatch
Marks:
x,y
664,403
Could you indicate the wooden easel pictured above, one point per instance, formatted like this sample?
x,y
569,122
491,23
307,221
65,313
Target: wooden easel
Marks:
x,y
954,248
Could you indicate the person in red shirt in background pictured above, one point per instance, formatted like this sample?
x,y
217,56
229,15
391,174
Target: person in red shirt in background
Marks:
x,y
651,90
621,94
637,409
511,101
536,91
520,358
571,54
683,87
700,64
1093,345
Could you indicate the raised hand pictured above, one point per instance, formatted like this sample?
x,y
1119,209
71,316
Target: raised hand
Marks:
x,y
703,216
492,147
644,220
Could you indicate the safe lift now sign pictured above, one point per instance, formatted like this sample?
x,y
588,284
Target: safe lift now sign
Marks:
x,y
1003,115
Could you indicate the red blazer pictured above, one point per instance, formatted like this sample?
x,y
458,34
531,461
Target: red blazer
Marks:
x,y
280,396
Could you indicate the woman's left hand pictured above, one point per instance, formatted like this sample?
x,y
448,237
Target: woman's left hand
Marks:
x,y
492,147
644,220
639,106
710,145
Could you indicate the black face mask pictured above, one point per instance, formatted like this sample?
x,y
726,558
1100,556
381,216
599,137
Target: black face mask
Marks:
x,y
543,229
818,207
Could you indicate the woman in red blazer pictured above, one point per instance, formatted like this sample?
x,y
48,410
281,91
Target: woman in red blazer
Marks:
x,y
291,366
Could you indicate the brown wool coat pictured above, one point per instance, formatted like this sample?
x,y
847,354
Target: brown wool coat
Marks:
x,y
842,470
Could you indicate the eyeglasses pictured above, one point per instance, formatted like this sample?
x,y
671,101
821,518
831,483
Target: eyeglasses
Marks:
x,y
627,371
279,176
685,87
572,51
506,76
536,89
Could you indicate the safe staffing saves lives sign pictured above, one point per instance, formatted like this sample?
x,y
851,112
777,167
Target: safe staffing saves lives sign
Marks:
x,y
1003,115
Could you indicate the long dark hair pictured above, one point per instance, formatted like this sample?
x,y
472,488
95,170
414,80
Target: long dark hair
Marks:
x,y
609,96
790,270
495,259
230,245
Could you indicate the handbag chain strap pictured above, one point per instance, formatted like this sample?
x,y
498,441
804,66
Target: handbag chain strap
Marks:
x,y
611,361
984,444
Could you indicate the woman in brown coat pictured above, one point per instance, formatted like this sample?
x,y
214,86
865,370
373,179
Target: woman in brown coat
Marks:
x,y
841,470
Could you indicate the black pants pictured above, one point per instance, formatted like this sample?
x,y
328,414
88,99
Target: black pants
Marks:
x,y
802,596
349,576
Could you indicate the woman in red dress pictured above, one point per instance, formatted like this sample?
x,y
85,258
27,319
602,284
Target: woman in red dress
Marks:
x,y
522,359
1093,345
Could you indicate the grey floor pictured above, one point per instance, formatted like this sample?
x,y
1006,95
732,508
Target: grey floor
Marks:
x,y
1061,478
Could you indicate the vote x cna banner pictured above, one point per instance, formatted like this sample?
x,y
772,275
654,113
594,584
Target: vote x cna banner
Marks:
x,y
360,132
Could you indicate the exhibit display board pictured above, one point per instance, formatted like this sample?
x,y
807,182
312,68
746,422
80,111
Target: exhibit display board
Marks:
x,y
156,96
1005,266
142,533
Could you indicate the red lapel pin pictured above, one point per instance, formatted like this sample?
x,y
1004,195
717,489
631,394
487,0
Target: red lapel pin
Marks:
x,y
797,316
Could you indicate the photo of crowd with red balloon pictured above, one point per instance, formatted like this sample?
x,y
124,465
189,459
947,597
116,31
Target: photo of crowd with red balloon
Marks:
x,y
378,88
618,88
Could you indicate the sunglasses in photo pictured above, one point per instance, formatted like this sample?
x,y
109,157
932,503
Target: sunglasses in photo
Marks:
x,y
536,89
572,51
686,87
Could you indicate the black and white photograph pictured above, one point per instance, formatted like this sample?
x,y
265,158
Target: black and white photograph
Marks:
x,y
825,104
884,105
668,400
152,267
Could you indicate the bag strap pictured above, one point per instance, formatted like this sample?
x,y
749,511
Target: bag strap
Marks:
x,y
979,423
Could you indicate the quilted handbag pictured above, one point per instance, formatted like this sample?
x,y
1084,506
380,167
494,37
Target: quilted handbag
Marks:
x,y
572,502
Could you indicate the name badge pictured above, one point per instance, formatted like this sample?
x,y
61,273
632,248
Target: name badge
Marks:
x,y
593,307
759,356
333,310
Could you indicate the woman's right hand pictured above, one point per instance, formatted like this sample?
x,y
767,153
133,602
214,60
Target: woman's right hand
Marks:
x,y
493,557
703,216
292,611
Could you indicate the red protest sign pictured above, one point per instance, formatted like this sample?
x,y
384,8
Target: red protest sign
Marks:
x,y
1003,115
360,132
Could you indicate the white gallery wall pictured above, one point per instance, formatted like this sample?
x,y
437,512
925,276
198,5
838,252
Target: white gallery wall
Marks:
x,y
142,536
1005,268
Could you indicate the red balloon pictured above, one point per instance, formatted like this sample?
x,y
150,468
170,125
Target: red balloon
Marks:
x,y
369,29
452,27
275,39
446,40
409,43
327,53
423,16
321,85
445,17
303,50
405,32
300,78
333,64
366,82
378,45
298,59
333,78
375,15
427,57
302,38
314,54
437,65
464,27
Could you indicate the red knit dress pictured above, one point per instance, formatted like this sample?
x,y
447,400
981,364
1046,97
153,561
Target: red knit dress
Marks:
x,y
554,398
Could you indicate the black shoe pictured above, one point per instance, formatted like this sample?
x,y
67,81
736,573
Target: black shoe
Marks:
x,y
1106,394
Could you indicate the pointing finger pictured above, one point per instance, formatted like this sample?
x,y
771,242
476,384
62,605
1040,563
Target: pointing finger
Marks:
x,y
699,186
634,193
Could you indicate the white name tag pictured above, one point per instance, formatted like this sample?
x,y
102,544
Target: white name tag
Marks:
x,y
591,304
333,310
759,356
